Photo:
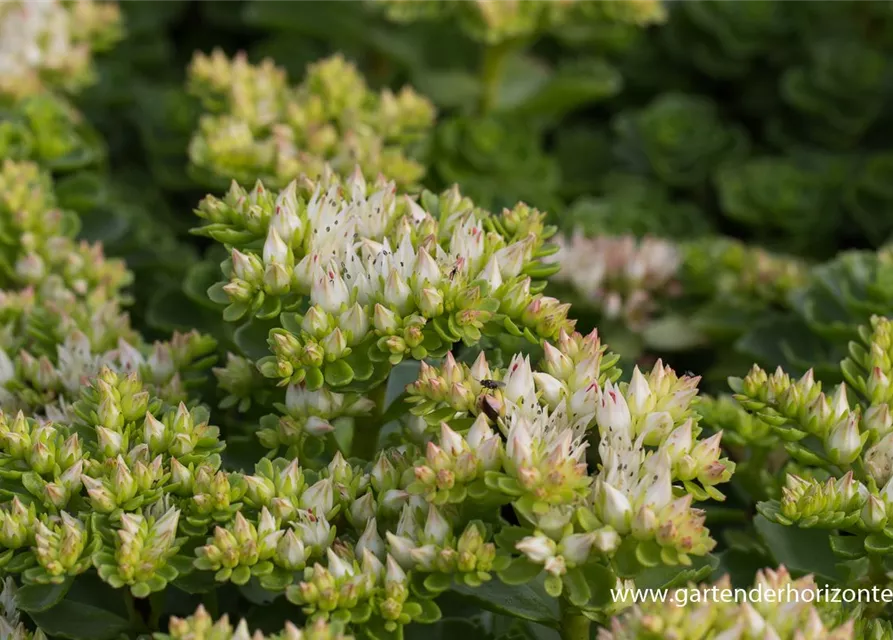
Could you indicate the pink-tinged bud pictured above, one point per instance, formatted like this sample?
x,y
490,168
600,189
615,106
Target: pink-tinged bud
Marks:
x,y
319,498
492,275
874,514
401,549
551,389
275,249
878,385
362,509
451,441
658,488
110,442
354,323
511,259
316,426
277,279
519,382
707,451
839,404
639,392
614,507
557,363
679,442
155,433
879,460
334,344
575,548
329,290
394,572
427,270
385,321
489,454
519,446
844,443
291,553
611,411
371,541
877,418
430,302
479,432
338,567
538,549
606,540
480,370
644,523
436,526
247,267
291,479
100,497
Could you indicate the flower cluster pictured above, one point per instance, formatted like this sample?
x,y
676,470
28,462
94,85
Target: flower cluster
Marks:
x,y
61,320
387,278
258,127
495,22
639,280
94,487
201,626
50,43
789,616
46,129
622,277
636,503
844,443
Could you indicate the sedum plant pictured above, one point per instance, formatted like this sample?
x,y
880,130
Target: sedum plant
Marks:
x,y
650,287
256,126
50,45
62,317
355,278
840,441
495,23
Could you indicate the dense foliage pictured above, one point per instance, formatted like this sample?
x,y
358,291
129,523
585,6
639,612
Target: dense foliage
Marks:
x,y
396,319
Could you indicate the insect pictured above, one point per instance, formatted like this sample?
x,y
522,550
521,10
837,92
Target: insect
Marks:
x,y
492,384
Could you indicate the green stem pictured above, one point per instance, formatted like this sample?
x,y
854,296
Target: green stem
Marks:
x,y
495,56
366,431
574,625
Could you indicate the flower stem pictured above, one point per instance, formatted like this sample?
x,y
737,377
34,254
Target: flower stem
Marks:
x,y
495,56
366,431
574,625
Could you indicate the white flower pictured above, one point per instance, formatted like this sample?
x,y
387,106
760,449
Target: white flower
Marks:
x,y
552,390
519,383
336,566
436,526
638,391
329,290
319,498
511,259
467,242
538,549
612,412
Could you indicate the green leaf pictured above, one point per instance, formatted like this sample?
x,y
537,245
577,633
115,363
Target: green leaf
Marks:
x,y
81,615
529,601
576,587
40,597
520,571
579,84
800,550
338,373
664,577
252,336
